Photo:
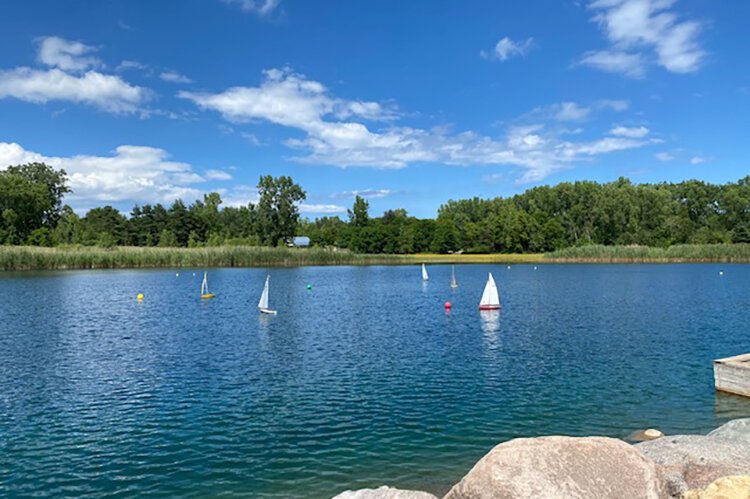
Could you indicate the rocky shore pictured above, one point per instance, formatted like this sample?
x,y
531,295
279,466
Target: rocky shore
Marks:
x,y
713,466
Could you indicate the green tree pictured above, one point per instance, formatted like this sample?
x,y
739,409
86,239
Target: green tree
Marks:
x,y
277,210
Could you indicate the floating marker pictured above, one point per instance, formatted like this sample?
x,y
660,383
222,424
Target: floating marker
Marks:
x,y
721,272
508,267
448,305
309,286
177,274
139,296
534,267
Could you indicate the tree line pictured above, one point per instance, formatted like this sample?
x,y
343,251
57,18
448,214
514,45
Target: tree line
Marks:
x,y
541,219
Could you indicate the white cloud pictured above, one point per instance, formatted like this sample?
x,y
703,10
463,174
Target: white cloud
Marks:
x,y
696,160
174,77
128,64
614,61
631,132
642,32
107,92
365,193
570,111
259,7
66,55
291,100
65,82
217,175
614,104
664,156
239,195
507,48
321,208
132,173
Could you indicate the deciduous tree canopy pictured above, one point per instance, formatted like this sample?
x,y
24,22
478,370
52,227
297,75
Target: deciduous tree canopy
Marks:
x,y
538,220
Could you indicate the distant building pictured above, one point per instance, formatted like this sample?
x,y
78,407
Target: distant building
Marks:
x,y
299,241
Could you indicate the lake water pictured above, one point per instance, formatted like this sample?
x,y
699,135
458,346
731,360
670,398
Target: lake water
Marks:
x,y
361,381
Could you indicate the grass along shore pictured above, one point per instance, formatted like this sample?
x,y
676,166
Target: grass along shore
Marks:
x,y
680,253
87,257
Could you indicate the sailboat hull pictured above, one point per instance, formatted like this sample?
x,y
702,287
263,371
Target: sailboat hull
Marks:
x,y
207,296
489,307
268,311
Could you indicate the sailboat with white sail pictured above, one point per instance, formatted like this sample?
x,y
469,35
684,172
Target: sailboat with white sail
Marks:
x,y
425,277
205,293
263,303
490,296
454,284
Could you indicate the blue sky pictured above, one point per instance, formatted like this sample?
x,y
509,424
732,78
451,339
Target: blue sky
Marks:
x,y
407,103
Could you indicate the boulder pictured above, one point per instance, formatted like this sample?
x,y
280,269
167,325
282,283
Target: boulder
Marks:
x,y
728,487
738,429
644,435
694,461
384,492
561,467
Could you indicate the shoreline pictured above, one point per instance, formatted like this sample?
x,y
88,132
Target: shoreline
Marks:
x,y
23,258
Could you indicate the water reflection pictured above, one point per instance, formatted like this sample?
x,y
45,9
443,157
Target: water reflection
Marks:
x,y
490,322
728,406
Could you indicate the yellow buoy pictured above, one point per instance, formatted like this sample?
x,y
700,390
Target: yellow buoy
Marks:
x,y
140,296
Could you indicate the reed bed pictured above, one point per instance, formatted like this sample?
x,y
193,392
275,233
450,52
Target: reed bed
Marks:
x,y
681,253
85,257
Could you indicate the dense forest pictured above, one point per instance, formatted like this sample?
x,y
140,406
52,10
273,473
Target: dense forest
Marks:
x,y
540,219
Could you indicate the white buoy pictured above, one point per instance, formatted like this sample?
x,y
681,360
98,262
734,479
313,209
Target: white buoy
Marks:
x,y
508,267
721,272
177,274
534,267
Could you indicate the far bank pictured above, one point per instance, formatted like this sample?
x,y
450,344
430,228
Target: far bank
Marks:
x,y
92,257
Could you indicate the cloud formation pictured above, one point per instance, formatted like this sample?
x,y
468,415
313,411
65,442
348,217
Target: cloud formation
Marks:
x,y
664,156
65,54
131,173
174,77
66,81
365,193
507,48
323,209
259,7
338,133
644,32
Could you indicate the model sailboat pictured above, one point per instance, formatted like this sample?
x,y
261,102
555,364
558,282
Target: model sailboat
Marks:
x,y
263,303
425,277
454,284
490,297
205,294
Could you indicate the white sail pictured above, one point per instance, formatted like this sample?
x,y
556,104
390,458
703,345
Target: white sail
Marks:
x,y
424,273
204,284
490,297
454,284
263,303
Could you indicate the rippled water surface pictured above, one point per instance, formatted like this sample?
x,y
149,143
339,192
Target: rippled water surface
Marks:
x,y
361,381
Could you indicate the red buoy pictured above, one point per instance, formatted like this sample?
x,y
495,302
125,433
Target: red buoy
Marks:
x,y
448,305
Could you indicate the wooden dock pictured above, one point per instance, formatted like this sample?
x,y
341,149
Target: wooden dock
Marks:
x,y
732,374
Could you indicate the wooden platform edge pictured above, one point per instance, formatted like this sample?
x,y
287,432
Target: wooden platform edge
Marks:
x,y
732,374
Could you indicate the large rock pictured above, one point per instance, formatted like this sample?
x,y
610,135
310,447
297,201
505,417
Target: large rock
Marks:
x,y
384,492
694,461
561,467
738,429
729,487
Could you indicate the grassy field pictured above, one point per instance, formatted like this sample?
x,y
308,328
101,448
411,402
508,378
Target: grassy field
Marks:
x,y
488,258
682,253
79,257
